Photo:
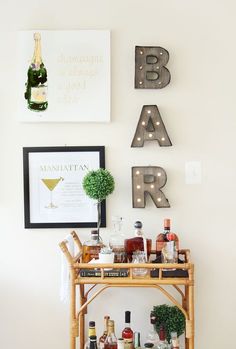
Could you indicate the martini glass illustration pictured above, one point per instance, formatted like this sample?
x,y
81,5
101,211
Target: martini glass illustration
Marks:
x,y
51,184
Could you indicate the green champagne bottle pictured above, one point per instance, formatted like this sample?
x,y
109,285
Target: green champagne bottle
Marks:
x,y
36,85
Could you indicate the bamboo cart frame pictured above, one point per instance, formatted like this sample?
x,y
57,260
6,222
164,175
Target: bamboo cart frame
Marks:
x,y
77,312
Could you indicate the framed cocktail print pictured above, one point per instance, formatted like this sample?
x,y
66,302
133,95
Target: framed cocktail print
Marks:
x,y
53,192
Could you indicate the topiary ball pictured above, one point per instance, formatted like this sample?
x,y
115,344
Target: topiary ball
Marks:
x,y
98,184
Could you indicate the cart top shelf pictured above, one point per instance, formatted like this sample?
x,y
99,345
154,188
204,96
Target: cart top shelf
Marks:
x,y
125,274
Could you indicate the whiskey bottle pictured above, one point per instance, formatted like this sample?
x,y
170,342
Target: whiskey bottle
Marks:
x,y
104,335
127,333
91,332
111,340
138,243
91,248
36,85
165,236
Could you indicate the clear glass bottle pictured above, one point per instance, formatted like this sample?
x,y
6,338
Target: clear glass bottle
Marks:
x,y
138,243
174,341
163,344
36,85
165,236
111,340
116,241
127,333
91,332
104,335
91,248
152,336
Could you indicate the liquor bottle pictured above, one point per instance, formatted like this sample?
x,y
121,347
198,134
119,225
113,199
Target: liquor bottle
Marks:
x,y
174,340
137,344
91,248
127,333
104,335
163,344
111,340
91,332
152,336
116,241
93,342
165,237
36,85
138,243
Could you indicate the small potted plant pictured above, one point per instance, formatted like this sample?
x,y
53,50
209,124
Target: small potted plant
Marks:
x,y
98,185
170,317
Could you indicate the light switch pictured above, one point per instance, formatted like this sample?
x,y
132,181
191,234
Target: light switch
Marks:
x,y
193,172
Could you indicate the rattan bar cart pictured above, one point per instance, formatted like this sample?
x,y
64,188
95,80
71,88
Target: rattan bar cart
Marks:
x,y
183,285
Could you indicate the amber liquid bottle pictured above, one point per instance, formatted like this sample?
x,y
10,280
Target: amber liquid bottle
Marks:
x,y
138,243
165,236
91,248
104,335
127,333
111,340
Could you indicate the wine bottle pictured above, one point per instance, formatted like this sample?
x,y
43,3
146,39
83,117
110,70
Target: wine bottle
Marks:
x,y
36,85
127,333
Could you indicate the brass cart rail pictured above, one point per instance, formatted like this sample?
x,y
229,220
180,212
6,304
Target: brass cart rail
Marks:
x,y
159,282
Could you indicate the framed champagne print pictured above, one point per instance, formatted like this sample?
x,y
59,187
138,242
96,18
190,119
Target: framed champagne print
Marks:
x,y
63,76
53,193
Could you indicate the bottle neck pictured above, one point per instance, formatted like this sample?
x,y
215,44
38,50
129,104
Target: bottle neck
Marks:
x,y
37,58
127,324
110,330
138,232
91,331
106,318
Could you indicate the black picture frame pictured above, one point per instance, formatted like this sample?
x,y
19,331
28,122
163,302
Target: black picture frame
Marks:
x,y
32,218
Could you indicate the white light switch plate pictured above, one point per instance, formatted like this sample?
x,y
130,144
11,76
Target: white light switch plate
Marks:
x,y
193,172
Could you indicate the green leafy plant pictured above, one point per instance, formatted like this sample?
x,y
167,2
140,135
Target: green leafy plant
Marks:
x,y
170,317
98,185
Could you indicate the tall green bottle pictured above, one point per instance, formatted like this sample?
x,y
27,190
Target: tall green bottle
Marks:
x,y
36,85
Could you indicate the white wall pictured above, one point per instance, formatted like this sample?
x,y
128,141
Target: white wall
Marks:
x,y
198,109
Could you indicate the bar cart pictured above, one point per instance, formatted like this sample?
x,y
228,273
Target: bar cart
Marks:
x,y
156,278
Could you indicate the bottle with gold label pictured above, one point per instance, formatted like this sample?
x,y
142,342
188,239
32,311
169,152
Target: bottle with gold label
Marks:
x,y
36,85
127,333
91,332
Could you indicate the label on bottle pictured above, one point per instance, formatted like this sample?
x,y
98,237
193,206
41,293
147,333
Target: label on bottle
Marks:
x,y
38,94
128,343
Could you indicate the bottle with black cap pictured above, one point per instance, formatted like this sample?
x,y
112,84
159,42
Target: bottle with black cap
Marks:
x,y
127,333
138,243
91,333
